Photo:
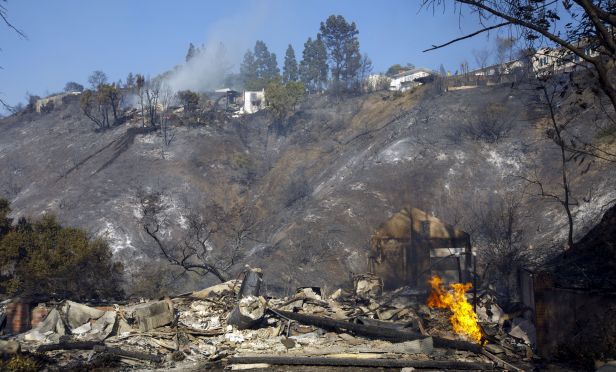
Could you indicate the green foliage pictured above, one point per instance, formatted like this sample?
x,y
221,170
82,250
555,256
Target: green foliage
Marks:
x,y
290,71
248,68
97,105
5,221
192,51
109,94
48,107
394,69
72,86
340,39
96,79
41,256
130,80
267,67
91,109
282,98
20,363
189,100
241,160
259,67
313,68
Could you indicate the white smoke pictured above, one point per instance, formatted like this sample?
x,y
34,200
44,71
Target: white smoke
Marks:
x,y
222,53
205,71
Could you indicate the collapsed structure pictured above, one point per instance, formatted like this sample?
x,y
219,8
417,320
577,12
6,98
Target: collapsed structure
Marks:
x,y
232,324
235,324
413,246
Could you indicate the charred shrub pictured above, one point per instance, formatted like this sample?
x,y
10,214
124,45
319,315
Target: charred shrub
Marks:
x,y
488,125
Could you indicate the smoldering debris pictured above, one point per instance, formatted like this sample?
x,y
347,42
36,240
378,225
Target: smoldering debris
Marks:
x,y
236,325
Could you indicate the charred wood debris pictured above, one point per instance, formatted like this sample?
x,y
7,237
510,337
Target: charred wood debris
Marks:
x,y
234,325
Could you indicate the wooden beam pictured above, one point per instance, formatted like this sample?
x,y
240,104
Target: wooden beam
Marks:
x,y
360,362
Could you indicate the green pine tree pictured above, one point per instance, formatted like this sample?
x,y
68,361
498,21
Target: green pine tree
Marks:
x,y
290,71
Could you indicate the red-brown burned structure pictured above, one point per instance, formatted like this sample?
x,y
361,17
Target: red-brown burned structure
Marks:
x,y
412,246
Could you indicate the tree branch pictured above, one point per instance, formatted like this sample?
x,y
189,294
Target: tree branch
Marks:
x,y
591,11
565,44
467,36
3,15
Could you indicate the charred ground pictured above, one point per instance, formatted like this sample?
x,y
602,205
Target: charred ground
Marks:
x,y
316,185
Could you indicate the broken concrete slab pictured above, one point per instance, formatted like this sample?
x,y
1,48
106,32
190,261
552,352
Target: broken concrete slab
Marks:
x,y
103,326
524,330
367,285
489,311
152,315
8,347
78,314
312,293
230,287
48,330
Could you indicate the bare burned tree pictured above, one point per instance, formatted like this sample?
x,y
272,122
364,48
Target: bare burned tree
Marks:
x,y
212,241
167,99
557,133
152,95
481,57
498,237
592,28
464,69
5,19
140,85
95,106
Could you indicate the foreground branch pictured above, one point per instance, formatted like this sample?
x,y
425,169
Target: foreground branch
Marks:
x,y
467,36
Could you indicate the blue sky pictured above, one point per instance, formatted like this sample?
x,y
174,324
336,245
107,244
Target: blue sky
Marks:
x,y
68,39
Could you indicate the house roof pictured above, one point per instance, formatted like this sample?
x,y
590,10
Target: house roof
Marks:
x,y
413,71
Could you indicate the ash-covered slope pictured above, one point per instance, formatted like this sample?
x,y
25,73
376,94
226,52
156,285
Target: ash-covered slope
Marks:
x,y
319,184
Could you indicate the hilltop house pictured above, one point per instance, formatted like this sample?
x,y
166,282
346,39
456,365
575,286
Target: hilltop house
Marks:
x,y
376,82
48,103
408,79
551,60
498,69
229,95
253,101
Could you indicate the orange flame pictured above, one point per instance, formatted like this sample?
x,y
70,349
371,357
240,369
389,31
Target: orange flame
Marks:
x,y
464,319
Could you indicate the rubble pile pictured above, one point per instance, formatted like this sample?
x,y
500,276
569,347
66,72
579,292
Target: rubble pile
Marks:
x,y
233,325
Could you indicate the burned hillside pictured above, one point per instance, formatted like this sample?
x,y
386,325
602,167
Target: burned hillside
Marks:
x,y
309,191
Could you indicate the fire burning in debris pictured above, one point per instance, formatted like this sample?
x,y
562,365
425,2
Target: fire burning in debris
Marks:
x,y
464,319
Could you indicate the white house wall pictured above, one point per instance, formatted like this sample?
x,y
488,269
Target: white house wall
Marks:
x,y
250,97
